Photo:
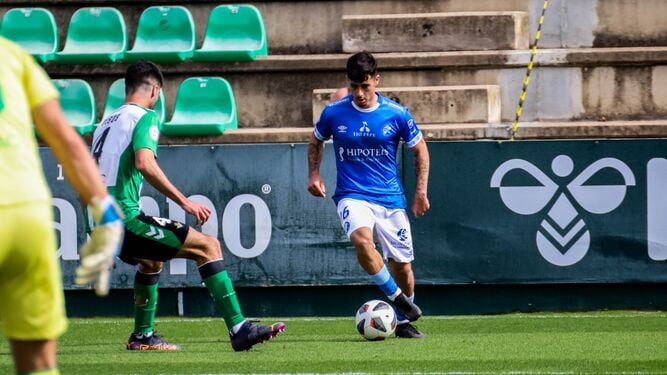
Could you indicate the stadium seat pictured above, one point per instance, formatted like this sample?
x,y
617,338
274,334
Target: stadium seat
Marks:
x,y
116,97
95,36
233,33
78,102
33,29
164,34
203,106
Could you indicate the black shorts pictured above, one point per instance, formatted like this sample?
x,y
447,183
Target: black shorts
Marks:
x,y
154,238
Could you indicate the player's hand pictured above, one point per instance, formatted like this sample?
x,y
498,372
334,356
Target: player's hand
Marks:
x,y
420,204
97,255
316,186
199,211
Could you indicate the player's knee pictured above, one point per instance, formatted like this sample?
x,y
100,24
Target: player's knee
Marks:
x,y
212,248
362,241
150,266
364,245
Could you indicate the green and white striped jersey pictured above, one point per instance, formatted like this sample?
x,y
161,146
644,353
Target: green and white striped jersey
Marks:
x,y
121,134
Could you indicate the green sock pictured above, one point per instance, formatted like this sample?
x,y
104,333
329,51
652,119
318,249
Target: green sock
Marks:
x,y
145,302
221,288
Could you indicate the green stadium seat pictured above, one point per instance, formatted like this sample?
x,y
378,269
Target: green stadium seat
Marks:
x,y
164,34
233,33
203,106
96,35
116,97
78,102
33,29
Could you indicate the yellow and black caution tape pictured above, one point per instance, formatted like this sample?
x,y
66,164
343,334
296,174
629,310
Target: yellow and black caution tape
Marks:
x,y
526,80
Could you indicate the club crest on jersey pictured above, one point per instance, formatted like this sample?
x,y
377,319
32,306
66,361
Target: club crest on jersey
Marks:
x,y
387,130
402,234
154,132
342,129
364,131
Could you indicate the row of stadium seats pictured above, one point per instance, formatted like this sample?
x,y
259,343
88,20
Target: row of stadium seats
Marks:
x,y
164,34
203,105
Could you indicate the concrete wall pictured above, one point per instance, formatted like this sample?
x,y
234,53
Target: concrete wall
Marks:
x,y
572,84
425,32
436,104
600,23
569,93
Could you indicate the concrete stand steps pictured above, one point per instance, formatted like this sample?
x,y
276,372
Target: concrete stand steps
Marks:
x,y
425,32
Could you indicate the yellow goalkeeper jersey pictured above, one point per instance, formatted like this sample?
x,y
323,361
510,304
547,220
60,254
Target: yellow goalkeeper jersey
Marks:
x,y
23,86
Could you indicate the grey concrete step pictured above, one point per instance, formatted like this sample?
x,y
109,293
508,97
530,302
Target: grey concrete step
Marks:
x,y
566,84
562,57
582,130
426,32
454,132
436,104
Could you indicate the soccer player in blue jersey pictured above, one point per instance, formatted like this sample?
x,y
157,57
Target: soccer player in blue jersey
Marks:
x,y
366,128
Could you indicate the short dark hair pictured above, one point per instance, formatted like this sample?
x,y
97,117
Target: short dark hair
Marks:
x,y
361,66
140,73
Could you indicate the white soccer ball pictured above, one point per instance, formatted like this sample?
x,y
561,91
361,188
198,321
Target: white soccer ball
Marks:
x,y
375,320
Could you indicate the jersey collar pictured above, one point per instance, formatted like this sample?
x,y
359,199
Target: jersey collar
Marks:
x,y
137,105
367,110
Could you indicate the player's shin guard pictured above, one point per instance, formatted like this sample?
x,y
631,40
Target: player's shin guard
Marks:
x,y
145,301
220,286
386,283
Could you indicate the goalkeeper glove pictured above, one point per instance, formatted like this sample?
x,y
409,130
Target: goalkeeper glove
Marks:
x,y
97,255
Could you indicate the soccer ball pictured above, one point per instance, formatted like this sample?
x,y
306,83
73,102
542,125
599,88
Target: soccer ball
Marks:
x,y
375,320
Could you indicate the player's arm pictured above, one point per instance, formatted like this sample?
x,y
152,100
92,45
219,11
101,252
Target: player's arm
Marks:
x,y
69,149
420,203
144,160
315,152
79,167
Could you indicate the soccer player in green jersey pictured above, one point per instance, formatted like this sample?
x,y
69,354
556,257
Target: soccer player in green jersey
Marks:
x,y
125,147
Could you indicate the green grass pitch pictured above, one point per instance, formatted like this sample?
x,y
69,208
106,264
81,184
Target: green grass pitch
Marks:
x,y
595,342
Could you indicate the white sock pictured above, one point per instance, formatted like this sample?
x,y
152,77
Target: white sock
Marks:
x,y
237,327
396,294
141,336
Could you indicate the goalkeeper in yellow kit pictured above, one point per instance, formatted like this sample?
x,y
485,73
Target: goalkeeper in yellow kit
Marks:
x,y
32,312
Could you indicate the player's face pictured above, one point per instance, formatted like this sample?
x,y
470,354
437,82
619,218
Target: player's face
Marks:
x,y
363,93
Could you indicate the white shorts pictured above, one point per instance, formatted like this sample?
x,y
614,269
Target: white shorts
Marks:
x,y
391,226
